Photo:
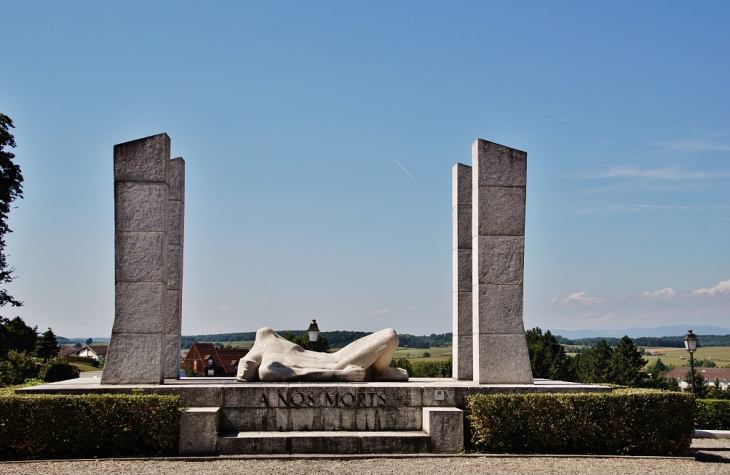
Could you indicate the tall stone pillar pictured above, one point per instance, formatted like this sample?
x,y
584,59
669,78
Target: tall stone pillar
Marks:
x,y
462,302
173,318
499,177
141,237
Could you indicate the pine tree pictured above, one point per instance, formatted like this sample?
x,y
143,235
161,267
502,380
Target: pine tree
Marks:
x,y
593,365
626,361
47,346
547,356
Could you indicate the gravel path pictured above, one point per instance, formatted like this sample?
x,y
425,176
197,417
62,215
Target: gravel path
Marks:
x,y
713,457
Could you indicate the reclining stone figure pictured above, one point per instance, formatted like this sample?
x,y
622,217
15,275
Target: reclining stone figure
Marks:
x,y
275,359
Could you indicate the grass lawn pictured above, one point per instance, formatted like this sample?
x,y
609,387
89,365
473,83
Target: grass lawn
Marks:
x,y
86,367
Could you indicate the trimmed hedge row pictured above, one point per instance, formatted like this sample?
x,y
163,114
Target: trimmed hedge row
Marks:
x,y
89,426
625,421
713,414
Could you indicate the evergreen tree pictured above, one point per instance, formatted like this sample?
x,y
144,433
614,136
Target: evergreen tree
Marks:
x,y
594,364
700,386
47,346
547,356
626,361
11,188
89,341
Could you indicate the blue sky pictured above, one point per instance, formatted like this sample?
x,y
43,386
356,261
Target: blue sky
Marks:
x,y
319,139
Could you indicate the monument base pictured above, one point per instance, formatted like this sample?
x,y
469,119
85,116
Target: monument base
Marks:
x,y
225,417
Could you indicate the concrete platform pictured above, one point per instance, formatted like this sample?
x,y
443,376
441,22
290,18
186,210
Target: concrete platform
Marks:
x,y
226,417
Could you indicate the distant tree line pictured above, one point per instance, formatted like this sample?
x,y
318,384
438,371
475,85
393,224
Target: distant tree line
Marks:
x,y
650,341
335,339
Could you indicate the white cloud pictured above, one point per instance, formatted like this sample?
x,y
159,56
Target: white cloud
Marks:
x,y
380,312
582,298
720,288
666,293
226,308
553,300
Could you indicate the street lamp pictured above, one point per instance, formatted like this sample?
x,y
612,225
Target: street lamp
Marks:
x,y
313,331
690,344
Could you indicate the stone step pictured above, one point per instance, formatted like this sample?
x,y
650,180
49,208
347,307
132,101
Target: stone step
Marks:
x,y
284,419
323,442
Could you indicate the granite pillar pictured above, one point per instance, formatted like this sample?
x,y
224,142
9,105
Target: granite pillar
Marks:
x,y
462,367
141,241
173,318
499,177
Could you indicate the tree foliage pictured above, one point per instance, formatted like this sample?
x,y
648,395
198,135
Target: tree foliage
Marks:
x,y
594,364
16,335
11,188
626,362
47,346
16,367
58,369
320,345
547,357
700,385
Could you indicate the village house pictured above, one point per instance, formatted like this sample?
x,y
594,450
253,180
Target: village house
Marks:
x,y
710,375
96,352
208,360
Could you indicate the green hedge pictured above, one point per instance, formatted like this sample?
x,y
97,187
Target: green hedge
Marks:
x,y
632,422
89,426
713,414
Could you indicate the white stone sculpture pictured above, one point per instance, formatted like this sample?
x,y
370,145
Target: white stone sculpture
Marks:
x,y
275,359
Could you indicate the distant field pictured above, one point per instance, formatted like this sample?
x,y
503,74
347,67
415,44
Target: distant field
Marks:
x,y
679,356
436,354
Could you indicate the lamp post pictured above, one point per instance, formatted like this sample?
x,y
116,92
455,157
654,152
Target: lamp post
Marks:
x,y
313,331
690,344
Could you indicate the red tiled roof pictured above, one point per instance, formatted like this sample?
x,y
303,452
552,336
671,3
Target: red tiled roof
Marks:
x,y
225,358
709,373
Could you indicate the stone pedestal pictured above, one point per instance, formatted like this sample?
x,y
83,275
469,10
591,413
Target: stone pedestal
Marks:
x,y
499,177
173,319
141,237
462,259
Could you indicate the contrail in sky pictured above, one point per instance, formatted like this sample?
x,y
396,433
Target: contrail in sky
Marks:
x,y
391,156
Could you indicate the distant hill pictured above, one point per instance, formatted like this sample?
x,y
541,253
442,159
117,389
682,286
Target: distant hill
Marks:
x,y
70,341
672,330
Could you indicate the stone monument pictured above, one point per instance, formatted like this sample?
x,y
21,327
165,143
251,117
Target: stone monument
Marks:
x,y
497,201
173,320
148,242
275,359
462,303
